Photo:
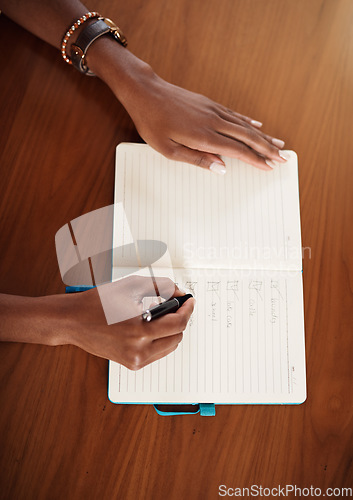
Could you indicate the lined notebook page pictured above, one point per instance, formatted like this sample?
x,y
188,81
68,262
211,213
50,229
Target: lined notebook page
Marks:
x,y
244,344
234,243
247,219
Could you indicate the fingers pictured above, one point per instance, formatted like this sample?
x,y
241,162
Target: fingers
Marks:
x,y
252,138
226,146
245,130
154,340
226,128
236,149
142,286
199,158
229,112
236,139
172,323
160,349
177,293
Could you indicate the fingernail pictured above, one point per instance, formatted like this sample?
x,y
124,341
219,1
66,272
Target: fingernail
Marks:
x,y
278,143
284,155
271,163
217,168
256,123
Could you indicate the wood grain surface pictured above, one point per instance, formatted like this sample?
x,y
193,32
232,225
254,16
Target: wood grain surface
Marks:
x,y
286,63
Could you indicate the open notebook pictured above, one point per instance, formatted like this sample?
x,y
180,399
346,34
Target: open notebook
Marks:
x,y
235,244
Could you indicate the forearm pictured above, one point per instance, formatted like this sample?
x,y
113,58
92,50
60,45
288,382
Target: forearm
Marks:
x,y
49,20
78,319
36,320
181,125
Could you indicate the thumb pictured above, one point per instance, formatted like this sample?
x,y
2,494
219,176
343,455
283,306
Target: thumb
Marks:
x,y
209,161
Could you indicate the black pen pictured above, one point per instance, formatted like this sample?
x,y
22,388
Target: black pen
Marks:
x,y
169,306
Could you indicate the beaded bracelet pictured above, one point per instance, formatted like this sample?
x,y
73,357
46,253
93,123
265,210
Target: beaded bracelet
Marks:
x,y
70,31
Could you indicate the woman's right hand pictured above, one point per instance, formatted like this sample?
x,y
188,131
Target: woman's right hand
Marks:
x,y
80,319
129,340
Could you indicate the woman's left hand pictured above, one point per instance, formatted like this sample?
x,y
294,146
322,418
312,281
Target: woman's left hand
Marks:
x,y
189,127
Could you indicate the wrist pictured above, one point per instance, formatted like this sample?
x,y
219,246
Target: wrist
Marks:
x,y
58,324
36,320
121,70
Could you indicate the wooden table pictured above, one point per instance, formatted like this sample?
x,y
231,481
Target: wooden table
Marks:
x,y
288,64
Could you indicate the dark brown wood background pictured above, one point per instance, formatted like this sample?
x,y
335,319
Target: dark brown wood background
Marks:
x,y
288,63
